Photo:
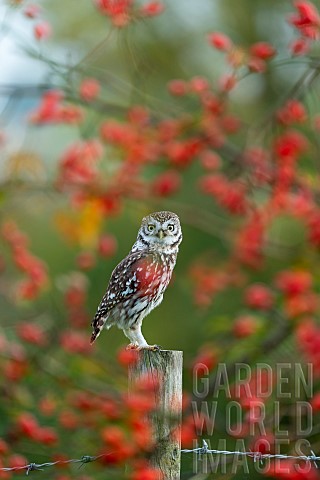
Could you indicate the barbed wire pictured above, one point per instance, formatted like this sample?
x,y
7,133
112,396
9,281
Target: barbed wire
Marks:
x,y
204,450
31,467
257,456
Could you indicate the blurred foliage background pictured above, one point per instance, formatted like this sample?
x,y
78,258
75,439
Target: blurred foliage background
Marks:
x,y
66,235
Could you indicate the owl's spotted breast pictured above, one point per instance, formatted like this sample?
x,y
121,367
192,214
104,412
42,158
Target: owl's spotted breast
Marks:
x,y
137,284
139,276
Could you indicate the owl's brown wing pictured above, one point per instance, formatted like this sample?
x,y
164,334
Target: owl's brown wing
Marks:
x,y
128,279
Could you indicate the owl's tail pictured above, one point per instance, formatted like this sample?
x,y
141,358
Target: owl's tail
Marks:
x,y
97,324
95,334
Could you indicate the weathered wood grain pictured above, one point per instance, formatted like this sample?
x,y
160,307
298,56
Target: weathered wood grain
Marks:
x,y
165,367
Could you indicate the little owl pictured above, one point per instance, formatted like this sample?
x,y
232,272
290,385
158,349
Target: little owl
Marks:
x,y
138,283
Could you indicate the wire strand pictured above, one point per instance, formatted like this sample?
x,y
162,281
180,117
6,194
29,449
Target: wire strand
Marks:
x,y
204,450
257,456
31,467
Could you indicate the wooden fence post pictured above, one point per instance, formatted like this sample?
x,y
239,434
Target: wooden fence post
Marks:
x,y
165,366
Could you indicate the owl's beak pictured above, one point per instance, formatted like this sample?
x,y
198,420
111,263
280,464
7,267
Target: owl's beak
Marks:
x,y
161,234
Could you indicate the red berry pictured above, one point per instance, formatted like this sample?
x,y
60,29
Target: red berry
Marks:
x,y
315,402
86,260
220,41
68,419
167,183
26,290
42,30
178,88
257,65
75,342
199,84
207,357
244,326
47,436
47,406
262,50
16,460
147,473
140,403
89,89
308,13
107,246
152,9
4,448
228,82
290,144
210,160
300,46
113,436
32,333
32,10
28,425
127,357
292,112
259,296
301,304
293,282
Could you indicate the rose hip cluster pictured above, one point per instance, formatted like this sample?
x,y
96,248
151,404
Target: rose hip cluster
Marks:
x,y
41,29
308,341
292,292
52,109
74,338
120,12
123,12
120,421
255,58
34,270
306,20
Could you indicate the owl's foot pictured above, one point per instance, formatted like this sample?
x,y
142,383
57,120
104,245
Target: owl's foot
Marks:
x,y
132,346
153,348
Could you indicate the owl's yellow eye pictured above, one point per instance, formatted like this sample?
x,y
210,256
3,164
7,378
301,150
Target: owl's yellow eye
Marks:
x,y
170,228
150,228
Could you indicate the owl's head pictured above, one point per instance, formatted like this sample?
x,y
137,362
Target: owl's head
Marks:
x,y
160,230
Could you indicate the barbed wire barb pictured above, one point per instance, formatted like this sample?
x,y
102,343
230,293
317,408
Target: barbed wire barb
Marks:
x,y
314,462
32,467
256,457
88,459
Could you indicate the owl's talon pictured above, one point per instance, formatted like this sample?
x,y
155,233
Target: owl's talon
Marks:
x,y
153,348
132,346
